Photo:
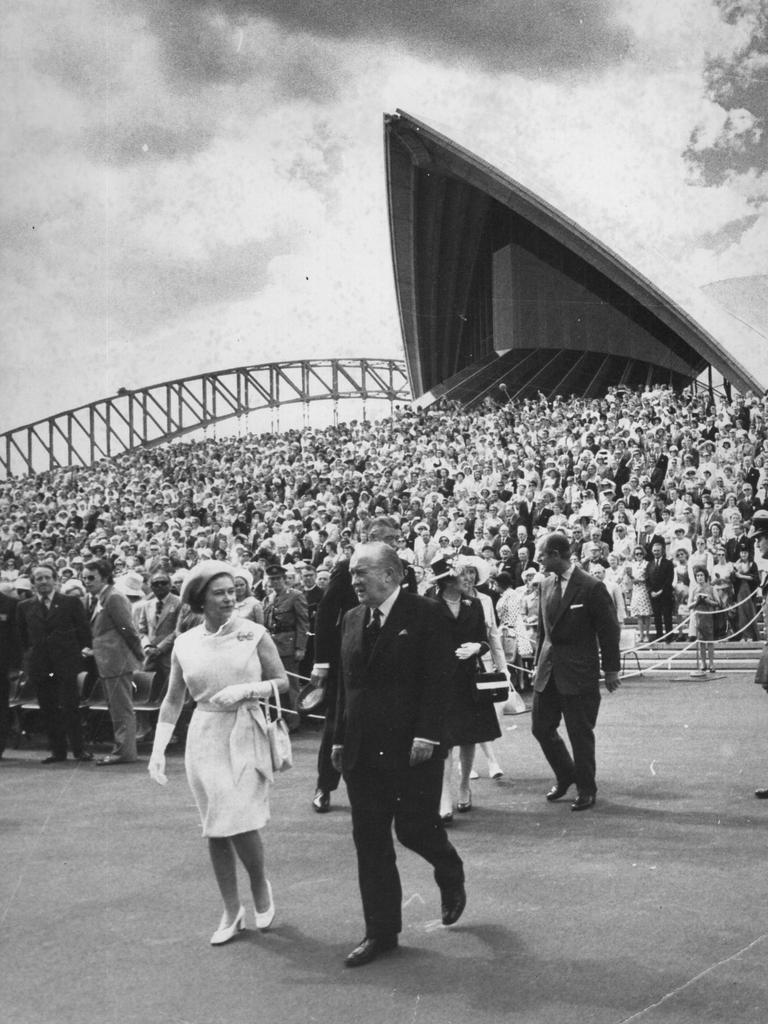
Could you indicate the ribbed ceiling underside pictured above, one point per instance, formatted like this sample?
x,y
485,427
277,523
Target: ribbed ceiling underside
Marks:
x,y
482,266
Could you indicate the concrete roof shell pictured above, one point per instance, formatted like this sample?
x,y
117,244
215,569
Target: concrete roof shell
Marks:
x,y
733,347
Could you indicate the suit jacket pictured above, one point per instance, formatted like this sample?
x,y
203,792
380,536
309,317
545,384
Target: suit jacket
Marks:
x,y
10,654
54,641
399,692
736,544
159,631
584,628
116,642
661,578
338,599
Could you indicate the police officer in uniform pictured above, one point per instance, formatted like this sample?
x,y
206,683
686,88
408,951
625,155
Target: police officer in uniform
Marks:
x,y
287,619
312,593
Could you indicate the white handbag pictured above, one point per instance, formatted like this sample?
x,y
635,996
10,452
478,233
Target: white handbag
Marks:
x,y
277,733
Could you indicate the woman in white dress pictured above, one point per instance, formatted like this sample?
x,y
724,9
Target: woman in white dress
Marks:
x,y
227,664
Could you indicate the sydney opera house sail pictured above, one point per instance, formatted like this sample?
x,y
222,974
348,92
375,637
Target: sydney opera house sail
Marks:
x,y
496,286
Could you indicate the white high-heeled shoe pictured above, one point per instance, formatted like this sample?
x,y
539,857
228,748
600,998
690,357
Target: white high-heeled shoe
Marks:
x,y
226,932
263,921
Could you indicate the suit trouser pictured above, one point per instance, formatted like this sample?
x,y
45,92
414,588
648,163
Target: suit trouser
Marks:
x,y
119,693
327,776
5,714
411,799
662,612
580,713
59,700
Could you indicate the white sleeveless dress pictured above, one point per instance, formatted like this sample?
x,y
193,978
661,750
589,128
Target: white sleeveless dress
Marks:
x,y
227,758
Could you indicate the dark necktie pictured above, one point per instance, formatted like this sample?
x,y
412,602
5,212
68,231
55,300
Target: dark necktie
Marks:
x,y
45,607
557,597
159,610
372,630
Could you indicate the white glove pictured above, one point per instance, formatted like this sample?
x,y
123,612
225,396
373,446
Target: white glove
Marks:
x,y
239,692
468,651
156,766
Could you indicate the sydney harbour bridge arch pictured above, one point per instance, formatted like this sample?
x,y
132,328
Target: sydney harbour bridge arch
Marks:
x,y
148,416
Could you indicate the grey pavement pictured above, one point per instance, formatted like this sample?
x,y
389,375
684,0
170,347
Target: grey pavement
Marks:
x,y
650,908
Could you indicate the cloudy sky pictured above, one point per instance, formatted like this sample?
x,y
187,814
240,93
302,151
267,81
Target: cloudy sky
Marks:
x,y
189,186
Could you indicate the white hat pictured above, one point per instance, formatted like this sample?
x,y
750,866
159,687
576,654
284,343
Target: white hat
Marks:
x,y
70,585
480,566
241,573
131,584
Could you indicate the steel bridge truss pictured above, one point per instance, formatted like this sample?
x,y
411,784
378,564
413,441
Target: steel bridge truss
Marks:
x,y
152,415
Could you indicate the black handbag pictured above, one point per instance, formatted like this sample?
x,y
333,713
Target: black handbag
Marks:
x,y
490,687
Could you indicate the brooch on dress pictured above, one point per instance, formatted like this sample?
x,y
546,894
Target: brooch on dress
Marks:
x,y
244,636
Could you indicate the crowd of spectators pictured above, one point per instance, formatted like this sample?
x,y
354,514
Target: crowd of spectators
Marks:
x,y
613,472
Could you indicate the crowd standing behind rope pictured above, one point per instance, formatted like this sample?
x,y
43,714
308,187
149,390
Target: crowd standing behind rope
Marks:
x,y
616,474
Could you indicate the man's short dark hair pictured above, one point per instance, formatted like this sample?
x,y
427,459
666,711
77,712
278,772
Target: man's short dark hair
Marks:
x,y
102,566
559,544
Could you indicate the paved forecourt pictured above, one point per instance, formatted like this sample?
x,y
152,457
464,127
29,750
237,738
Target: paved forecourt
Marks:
x,y
651,907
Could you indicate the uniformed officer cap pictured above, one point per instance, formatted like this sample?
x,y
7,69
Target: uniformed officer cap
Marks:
x,y
274,571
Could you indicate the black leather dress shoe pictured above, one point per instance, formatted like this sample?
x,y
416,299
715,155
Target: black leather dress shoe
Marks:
x,y
53,759
761,794
453,902
321,801
369,949
558,790
583,801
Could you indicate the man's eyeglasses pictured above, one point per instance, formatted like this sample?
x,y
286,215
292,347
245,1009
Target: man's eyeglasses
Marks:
x,y
88,579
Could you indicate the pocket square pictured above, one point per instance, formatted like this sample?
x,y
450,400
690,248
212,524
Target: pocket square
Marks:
x,y
403,632
575,606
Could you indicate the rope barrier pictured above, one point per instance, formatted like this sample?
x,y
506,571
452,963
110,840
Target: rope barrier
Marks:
x,y
683,622
631,650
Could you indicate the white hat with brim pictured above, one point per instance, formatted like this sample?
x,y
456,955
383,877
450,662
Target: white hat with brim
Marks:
x,y
480,566
131,584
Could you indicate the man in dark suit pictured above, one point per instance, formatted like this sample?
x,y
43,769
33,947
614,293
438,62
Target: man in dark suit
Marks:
x,y
740,542
312,595
389,741
576,615
338,598
53,630
660,581
10,660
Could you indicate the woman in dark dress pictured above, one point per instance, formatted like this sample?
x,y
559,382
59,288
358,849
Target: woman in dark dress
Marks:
x,y
746,579
468,720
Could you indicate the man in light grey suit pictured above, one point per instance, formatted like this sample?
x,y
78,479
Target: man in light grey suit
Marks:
x,y
577,626
118,652
156,620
